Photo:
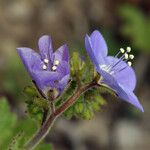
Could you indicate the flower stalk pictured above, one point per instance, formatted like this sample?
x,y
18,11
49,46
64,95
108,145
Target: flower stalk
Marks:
x,y
45,128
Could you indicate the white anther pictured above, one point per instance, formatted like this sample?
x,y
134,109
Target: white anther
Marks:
x,y
126,56
128,49
56,62
46,61
122,50
129,63
131,56
44,67
54,68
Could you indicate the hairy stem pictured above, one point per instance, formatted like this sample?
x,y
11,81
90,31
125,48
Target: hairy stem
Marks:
x,y
43,131
45,113
73,98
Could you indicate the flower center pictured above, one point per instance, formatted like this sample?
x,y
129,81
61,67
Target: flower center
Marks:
x,y
44,67
56,63
111,68
46,61
53,68
106,68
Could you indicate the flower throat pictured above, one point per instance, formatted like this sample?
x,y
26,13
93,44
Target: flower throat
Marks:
x,y
111,68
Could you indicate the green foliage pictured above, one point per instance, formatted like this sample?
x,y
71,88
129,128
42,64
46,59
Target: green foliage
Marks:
x,y
7,123
30,91
136,26
15,133
13,76
14,145
77,64
89,102
86,105
44,146
81,71
36,105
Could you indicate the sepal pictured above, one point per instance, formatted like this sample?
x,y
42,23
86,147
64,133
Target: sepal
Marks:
x,y
106,90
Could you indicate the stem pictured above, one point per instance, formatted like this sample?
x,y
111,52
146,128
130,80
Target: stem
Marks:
x,y
43,131
73,98
52,107
45,113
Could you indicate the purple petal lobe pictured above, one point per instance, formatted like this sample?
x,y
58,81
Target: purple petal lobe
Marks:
x,y
45,80
108,79
114,72
96,60
121,91
63,83
63,68
123,73
129,97
45,47
98,44
40,66
62,54
30,59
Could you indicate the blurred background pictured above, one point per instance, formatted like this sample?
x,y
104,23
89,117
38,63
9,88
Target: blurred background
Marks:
x,y
118,126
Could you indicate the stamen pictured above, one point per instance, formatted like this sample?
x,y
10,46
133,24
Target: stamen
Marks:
x,y
46,61
122,50
131,56
116,71
120,59
128,49
129,63
126,56
54,68
56,62
44,67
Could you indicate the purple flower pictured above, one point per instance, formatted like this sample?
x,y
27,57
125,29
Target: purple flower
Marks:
x,y
116,73
48,69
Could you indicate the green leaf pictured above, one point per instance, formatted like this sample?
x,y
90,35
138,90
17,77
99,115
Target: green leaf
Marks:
x,y
86,105
7,123
14,145
30,91
79,107
81,70
15,133
77,66
36,104
35,109
44,146
136,26
87,114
